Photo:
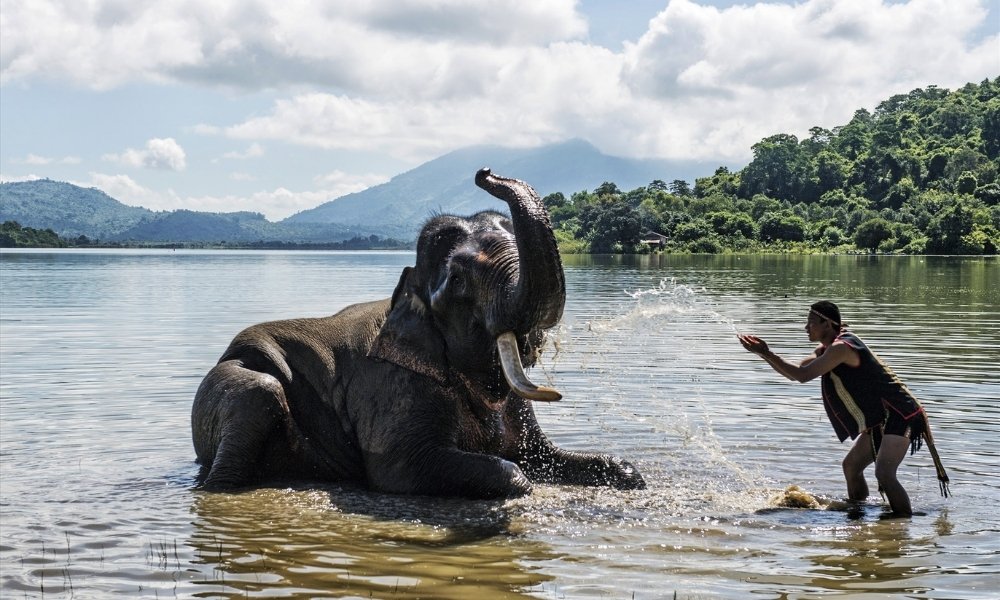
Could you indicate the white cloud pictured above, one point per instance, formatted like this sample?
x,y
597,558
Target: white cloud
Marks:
x,y
701,83
255,150
159,153
125,189
16,178
730,77
253,43
34,159
415,78
274,204
545,95
339,183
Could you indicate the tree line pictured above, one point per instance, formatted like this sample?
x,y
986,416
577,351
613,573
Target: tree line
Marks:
x,y
919,175
13,235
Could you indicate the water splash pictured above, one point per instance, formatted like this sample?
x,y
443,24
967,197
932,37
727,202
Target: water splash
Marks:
x,y
645,369
670,298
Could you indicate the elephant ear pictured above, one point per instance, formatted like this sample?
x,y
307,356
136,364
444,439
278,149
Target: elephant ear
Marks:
x,y
408,337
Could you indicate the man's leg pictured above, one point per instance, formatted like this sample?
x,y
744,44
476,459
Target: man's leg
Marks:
x,y
890,455
857,460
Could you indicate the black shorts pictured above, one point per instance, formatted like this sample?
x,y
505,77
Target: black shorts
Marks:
x,y
910,428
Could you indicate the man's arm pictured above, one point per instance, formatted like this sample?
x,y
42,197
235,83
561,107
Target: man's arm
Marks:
x,y
810,368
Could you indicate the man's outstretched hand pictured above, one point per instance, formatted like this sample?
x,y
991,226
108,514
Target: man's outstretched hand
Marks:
x,y
754,344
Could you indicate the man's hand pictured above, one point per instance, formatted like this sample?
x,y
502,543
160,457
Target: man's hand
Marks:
x,y
754,344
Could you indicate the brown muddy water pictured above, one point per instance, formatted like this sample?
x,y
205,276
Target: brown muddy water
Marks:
x,y
101,352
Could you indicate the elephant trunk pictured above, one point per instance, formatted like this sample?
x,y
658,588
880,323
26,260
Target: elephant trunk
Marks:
x,y
539,295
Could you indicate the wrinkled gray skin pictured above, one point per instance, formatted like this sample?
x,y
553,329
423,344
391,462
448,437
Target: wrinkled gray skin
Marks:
x,y
406,395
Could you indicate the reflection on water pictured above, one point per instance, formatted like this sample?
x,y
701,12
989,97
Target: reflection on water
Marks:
x,y
350,541
100,354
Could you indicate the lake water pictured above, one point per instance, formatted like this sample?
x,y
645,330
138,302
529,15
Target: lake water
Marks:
x,y
101,353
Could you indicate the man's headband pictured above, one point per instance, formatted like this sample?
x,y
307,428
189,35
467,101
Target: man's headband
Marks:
x,y
813,311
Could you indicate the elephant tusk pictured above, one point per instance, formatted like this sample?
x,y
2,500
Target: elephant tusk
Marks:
x,y
510,359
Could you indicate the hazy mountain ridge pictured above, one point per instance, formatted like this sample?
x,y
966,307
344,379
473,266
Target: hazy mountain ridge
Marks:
x,y
446,184
67,209
395,209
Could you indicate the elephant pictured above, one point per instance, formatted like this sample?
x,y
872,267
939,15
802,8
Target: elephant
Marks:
x,y
422,393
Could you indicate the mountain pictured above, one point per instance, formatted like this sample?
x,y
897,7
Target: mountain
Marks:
x,y
445,184
395,209
69,210
72,211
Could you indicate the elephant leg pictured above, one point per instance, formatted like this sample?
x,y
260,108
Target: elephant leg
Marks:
x,y
543,461
237,412
449,472
579,468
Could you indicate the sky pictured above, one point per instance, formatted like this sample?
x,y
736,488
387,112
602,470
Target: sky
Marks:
x,y
279,106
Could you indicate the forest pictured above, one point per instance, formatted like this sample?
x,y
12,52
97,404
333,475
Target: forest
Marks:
x,y
13,235
919,175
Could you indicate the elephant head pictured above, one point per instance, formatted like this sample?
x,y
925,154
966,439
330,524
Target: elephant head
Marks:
x,y
483,290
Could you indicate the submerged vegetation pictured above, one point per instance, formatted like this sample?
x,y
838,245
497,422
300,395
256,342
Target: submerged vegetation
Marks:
x,y
919,175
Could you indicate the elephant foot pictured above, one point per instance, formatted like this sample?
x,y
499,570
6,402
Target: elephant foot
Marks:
x,y
623,475
519,485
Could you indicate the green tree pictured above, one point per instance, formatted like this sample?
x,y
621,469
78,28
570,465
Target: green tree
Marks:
x,y
554,200
782,226
679,187
991,128
779,169
732,224
947,229
611,226
870,234
722,182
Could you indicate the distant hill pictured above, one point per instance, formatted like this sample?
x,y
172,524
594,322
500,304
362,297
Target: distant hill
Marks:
x,y
446,185
395,209
69,210
72,211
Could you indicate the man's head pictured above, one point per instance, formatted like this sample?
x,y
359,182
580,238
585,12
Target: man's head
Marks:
x,y
824,322
824,309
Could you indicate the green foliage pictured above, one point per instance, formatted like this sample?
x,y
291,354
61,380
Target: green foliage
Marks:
x,y
12,235
782,226
919,174
870,234
611,225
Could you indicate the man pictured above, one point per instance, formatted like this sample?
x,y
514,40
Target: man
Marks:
x,y
864,401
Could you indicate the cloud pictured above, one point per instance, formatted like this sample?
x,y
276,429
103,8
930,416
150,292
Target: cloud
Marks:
x,y
159,153
255,150
125,189
339,183
17,178
266,43
416,78
542,97
701,83
34,159
275,204
736,75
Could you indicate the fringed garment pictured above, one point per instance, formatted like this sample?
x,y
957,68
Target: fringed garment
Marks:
x,y
859,399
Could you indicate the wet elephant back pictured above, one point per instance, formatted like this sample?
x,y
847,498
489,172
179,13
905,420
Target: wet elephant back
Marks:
x,y
314,359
